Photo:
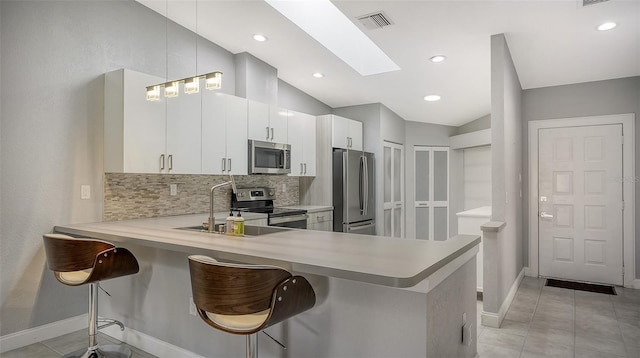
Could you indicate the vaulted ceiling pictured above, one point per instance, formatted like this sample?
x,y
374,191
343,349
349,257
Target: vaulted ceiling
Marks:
x,y
552,43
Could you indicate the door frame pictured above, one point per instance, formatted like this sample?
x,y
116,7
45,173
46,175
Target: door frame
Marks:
x,y
628,187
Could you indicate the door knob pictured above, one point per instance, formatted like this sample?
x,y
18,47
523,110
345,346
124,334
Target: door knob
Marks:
x,y
544,215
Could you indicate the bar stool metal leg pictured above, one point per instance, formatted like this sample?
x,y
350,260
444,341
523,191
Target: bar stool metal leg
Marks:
x,y
95,350
252,345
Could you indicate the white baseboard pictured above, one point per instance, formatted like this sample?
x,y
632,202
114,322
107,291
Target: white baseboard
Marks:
x,y
148,343
494,320
41,333
528,272
636,284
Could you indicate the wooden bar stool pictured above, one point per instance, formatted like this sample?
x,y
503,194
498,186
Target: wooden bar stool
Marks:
x,y
245,299
76,262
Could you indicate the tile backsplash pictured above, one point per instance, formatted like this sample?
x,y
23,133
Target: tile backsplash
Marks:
x,y
133,196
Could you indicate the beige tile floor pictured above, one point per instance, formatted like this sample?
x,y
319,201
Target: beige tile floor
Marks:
x,y
541,322
59,346
555,322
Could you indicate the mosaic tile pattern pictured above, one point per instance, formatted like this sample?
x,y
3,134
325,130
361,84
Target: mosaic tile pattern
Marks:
x,y
134,196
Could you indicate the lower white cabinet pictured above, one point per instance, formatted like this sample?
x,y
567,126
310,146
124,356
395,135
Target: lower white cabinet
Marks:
x,y
320,220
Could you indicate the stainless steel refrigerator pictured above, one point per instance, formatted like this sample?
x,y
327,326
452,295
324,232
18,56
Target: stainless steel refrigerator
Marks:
x,y
354,192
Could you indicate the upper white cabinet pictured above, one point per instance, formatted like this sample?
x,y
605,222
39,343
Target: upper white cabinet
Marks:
x,y
302,138
143,136
266,122
346,133
183,133
134,128
224,134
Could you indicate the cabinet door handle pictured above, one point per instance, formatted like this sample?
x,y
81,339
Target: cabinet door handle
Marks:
x,y
229,160
170,161
267,133
271,133
301,170
224,165
305,168
161,161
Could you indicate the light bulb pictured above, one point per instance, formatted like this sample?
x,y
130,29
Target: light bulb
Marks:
x,y
172,90
153,93
432,98
192,85
213,81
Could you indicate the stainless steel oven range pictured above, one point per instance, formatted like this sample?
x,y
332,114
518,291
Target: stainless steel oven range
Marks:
x,y
260,200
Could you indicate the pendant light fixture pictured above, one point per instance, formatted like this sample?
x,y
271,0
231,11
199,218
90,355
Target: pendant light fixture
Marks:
x,y
213,80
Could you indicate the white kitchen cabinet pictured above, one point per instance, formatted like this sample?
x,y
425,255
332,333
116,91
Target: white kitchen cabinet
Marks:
x,y
143,136
302,138
224,134
183,133
320,220
346,133
267,122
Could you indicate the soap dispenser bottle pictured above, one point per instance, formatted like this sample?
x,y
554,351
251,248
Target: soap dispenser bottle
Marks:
x,y
239,225
229,224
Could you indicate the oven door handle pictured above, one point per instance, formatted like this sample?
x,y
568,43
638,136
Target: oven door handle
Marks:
x,y
288,219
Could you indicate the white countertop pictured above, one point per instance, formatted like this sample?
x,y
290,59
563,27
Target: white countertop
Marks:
x,y
310,208
481,212
372,259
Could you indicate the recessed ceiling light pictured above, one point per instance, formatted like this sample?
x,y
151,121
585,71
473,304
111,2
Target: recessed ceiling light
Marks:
x,y
318,75
437,58
607,26
259,38
432,98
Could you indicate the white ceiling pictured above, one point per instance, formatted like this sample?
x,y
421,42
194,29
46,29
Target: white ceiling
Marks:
x,y
552,43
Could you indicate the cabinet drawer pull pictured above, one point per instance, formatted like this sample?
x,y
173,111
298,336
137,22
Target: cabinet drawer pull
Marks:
x,y
229,160
305,168
170,161
224,165
271,133
301,170
161,161
267,133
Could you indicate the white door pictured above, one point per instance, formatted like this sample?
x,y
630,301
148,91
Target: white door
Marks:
x,y
393,190
432,193
580,204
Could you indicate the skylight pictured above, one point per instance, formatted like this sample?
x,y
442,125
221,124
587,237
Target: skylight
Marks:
x,y
326,24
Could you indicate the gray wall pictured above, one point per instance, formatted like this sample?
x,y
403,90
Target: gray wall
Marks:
x,y
292,98
615,96
54,55
476,125
506,155
255,79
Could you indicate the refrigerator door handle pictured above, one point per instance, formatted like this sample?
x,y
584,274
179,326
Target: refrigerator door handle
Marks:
x,y
362,188
365,181
361,227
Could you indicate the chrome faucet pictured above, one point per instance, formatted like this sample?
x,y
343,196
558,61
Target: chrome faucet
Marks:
x,y
212,220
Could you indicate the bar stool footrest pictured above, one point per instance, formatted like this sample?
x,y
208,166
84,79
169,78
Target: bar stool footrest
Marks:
x,y
103,351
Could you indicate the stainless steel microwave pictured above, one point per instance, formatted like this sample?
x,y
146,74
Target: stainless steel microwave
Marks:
x,y
269,158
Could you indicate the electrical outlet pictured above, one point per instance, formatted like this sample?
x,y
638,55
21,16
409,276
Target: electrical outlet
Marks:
x,y
173,189
192,307
85,192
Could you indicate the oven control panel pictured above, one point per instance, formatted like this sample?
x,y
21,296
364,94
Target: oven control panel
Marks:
x,y
251,194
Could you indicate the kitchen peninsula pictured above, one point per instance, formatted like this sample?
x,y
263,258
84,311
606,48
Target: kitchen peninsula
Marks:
x,y
377,297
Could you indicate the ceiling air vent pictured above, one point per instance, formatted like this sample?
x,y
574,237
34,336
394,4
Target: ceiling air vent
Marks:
x,y
591,2
377,20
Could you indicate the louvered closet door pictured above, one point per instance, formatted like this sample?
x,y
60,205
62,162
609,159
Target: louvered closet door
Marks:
x,y
580,204
432,193
393,205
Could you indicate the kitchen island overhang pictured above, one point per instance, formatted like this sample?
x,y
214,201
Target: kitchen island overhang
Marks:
x,y
395,285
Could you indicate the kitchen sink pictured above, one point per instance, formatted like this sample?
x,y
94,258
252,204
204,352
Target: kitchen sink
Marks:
x,y
249,230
